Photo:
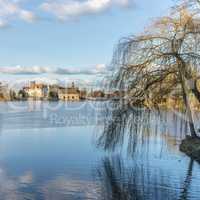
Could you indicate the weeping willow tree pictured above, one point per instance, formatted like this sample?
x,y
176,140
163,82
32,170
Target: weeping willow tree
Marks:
x,y
165,58
194,4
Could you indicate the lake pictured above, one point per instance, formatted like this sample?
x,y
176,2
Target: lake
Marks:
x,y
51,151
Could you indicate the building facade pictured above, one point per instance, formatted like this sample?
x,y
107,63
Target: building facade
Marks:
x,y
69,94
4,92
36,90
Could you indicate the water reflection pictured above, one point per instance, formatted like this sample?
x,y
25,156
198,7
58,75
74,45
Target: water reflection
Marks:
x,y
187,182
44,161
145,134
37,114
116,182
15,188
120,181
60,187
133,127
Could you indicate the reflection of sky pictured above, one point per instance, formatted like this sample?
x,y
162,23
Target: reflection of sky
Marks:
x,y
22,187
53,160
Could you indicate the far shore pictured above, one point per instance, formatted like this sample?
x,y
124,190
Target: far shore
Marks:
x,y
168,107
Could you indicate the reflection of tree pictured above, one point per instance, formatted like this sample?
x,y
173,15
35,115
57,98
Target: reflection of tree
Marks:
x,y
119,181
122,120
132,126
116,182
187,182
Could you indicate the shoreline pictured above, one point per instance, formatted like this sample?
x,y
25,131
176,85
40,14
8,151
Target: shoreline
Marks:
x,y
191,147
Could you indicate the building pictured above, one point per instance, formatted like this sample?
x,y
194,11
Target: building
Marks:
x,y
4,92
69,94
36,90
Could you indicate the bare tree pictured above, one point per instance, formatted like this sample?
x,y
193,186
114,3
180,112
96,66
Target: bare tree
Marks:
x,y
164,58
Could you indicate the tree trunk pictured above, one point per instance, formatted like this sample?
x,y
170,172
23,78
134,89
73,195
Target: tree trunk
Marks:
x,y
185,91
189,114
195,90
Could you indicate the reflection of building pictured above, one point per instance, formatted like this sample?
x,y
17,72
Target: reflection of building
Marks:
x,y
69,94
37,91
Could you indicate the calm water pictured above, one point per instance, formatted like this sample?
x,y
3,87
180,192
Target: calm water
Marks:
x,y
51,153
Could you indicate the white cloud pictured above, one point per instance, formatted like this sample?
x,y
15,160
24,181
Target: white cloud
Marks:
x,y
3,23
24,70
11,10
15,10
99,69
28,16
66,9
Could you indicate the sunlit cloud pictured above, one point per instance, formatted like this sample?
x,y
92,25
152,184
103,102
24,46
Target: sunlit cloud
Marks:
x,y
16,10
67,9
37,70
98,69
20,70
12,10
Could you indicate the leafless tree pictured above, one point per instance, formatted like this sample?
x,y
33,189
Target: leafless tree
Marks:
x,y
190,3
165,57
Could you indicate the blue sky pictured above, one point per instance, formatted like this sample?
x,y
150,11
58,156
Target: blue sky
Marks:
x,y
73,35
